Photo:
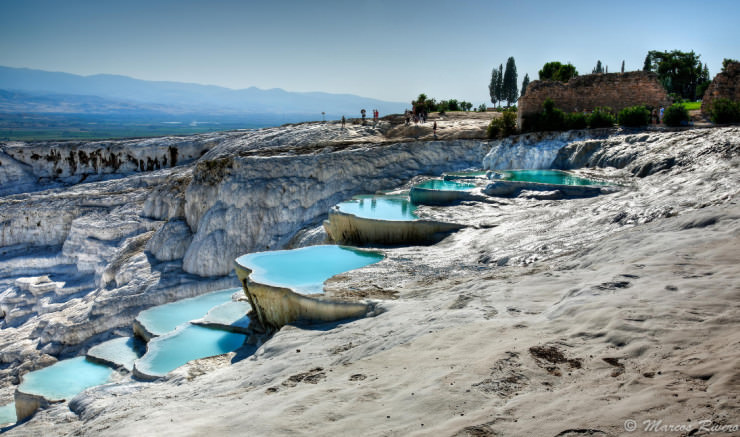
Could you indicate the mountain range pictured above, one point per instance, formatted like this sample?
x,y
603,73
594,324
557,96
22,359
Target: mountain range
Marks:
x,y
26,90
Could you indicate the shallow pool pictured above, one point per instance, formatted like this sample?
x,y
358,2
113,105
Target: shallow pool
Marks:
x,y
304,270
66,378
440,184
396,208
165,318
189,342
7,414
547,177
122,351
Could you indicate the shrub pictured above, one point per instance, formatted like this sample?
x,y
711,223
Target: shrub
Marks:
x,y
482,107
495,127
576,120
634,116
601,117
676,115
725,111
503,126
509,123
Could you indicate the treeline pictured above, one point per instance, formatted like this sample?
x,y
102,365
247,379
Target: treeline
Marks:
x,y
427,105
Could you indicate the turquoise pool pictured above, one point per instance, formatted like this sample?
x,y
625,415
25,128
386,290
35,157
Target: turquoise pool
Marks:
x,y
189,342
122,351
305,270
546,177
165,318
396,208
7,414
66,378
440,184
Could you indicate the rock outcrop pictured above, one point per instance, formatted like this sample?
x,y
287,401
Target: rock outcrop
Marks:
x,y
240,204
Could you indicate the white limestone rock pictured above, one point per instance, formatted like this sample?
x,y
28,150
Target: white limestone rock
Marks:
x,y
171,241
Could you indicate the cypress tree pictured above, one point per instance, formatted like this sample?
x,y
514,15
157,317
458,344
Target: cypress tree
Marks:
x,y
525,83
500,83
492,87
510,87
598,68
622,65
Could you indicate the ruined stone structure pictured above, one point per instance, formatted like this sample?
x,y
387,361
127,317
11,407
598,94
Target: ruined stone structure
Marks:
x,y
726,85
615,90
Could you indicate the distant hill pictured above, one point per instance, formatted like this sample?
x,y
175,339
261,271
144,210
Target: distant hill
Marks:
x,y
27,90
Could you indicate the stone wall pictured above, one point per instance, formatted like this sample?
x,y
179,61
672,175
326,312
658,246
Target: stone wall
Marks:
x,y
615,90
726,85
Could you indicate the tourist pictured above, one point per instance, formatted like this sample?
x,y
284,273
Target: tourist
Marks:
x,y
363,113
661,114
343,119
434,129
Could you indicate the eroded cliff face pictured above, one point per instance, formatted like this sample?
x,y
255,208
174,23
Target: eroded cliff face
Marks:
x,y
34,166
99,252
244,204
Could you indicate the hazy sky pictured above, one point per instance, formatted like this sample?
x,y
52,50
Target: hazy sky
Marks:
x,y
390,50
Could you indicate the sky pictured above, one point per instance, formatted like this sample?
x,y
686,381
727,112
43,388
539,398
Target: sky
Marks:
x,y
389,50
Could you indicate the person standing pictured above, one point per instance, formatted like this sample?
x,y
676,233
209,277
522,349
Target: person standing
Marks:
x,y
343,120
434,129
661,114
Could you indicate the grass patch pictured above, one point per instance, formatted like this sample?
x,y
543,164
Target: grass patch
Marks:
x,y
691,106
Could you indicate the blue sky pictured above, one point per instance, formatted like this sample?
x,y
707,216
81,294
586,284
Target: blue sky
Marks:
x,y
390,50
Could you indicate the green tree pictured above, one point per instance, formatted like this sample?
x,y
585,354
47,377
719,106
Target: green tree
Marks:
x,y
557,71
493,86
500,83
598,69
678,71
525,83
622,65
726,62
704,82
510,89
648,65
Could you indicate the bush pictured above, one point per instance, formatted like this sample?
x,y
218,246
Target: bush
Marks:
x,y
676,115
503,126
634,116
601,117
509,123
725,111
575,120
495,127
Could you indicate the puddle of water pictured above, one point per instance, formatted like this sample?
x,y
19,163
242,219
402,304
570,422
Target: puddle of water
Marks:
x,y
547,177
165,318
304,270
7,414
189,342
65,379
396,208
439,184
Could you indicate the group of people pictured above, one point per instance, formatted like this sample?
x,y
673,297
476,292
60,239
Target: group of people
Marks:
x,y
376,116
363,113
418,116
